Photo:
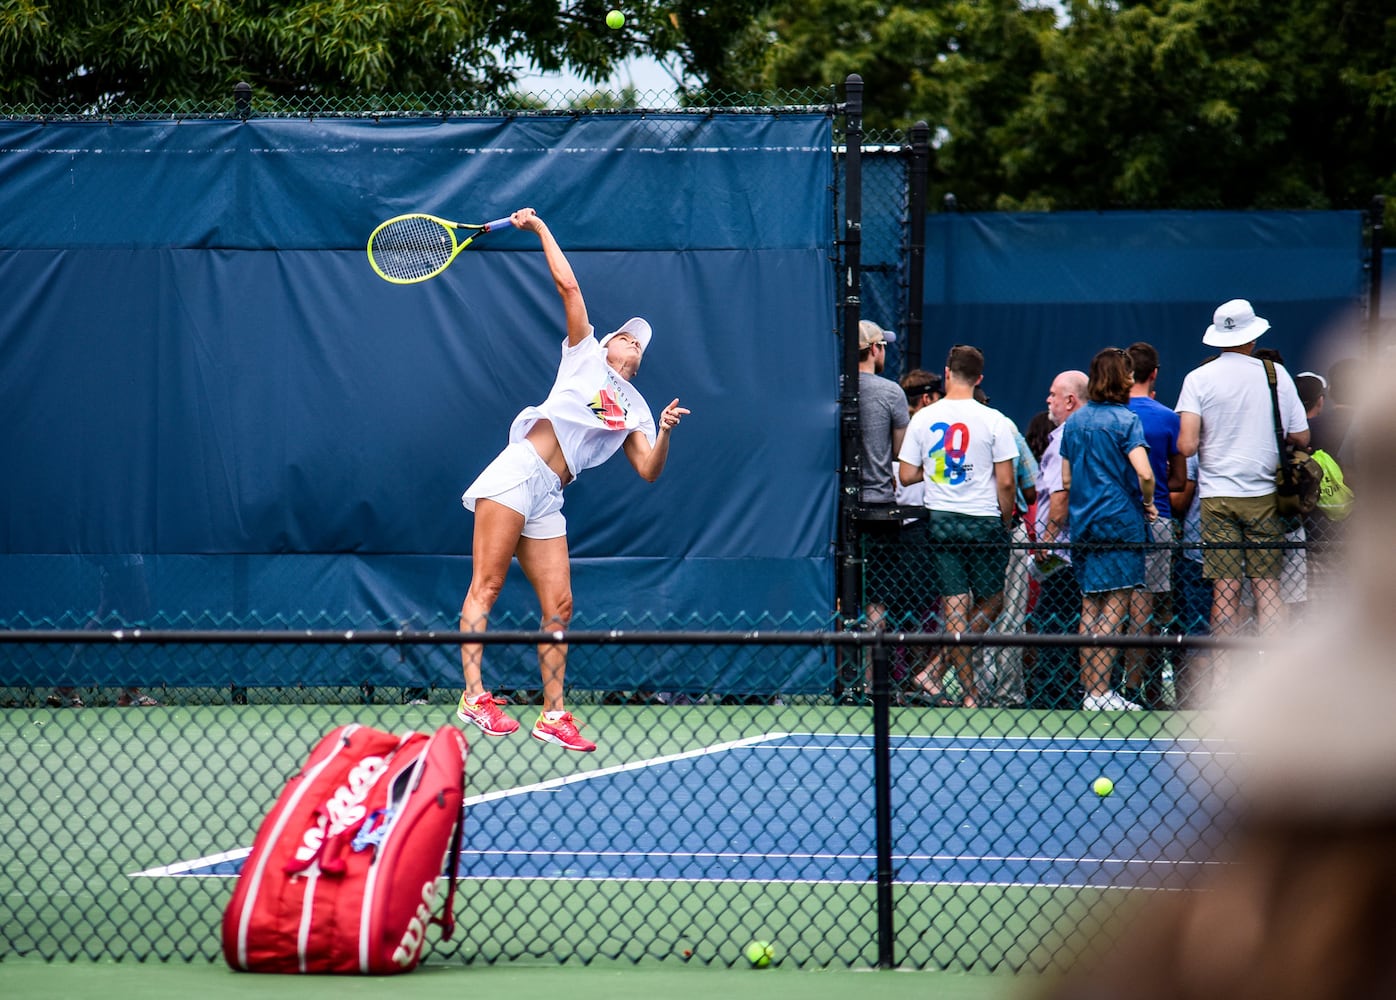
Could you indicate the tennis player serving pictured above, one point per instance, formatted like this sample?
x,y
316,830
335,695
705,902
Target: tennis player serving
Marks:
x,y
591,412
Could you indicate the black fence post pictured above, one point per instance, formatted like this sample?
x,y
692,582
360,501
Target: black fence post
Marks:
x,y
882,798
242,99
1377,212
851,438
916,249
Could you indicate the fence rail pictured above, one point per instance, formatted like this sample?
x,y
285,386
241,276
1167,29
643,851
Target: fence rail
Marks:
x,y
857,833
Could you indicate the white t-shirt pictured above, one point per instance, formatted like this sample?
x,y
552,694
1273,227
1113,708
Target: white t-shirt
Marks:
x,y
1049,481
1237,455
956,442
592,409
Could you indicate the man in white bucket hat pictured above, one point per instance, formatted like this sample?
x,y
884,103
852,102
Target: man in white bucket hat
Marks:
x,y
1226,418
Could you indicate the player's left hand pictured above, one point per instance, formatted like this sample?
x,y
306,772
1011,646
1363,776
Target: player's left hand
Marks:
x,y
669,418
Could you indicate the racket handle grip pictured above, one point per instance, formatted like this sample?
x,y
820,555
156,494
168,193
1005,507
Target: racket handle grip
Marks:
x,y
503,223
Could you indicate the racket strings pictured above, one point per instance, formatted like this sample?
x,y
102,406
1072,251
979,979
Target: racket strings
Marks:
x,y
412,248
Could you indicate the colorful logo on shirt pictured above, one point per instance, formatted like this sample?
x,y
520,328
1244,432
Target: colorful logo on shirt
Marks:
x,y
947,454
608,409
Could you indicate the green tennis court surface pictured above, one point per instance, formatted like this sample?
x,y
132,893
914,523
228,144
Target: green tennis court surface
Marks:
x,y
975,810
109,981
693,829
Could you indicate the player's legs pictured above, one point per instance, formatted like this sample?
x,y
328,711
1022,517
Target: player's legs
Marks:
x,y
498,530
546,565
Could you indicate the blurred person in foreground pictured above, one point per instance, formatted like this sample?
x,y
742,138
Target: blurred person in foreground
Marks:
x,y
1305,904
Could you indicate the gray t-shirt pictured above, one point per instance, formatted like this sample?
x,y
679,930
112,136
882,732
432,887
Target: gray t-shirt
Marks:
x,y
881,409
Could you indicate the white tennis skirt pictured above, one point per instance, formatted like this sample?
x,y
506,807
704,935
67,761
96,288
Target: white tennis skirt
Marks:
x,y
519,479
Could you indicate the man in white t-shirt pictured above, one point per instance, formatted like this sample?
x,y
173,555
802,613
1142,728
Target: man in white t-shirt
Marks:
x,y
964,452
1226,418
592,412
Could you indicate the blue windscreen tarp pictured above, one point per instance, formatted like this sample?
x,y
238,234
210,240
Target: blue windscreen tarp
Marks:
x,y
199,370
1043,292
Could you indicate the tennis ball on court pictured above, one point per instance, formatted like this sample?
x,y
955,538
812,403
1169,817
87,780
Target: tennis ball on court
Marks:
x,y
615,19
760,953
1103,787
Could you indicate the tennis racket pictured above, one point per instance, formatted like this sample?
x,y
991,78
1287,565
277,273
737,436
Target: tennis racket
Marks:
x,y
412,248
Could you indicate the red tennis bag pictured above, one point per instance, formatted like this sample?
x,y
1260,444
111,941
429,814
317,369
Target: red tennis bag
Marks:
x,y
343,872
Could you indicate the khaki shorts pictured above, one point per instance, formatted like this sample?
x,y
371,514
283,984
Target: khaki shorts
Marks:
x,y
1249,522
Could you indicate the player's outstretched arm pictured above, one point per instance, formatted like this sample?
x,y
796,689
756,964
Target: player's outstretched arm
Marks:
x,y
574,306
647,458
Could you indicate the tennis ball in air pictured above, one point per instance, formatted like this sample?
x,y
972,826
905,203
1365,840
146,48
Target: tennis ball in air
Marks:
x,y
760,953
1103,786
615,19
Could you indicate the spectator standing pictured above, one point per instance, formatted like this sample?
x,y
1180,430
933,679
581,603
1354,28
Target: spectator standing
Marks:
x,y
1170,473
1324,534
1040,428
921,389
1110,483
921,594
1001,667
1192,592
882,419
882,415
964,452
1055,677
1226,419
1343,378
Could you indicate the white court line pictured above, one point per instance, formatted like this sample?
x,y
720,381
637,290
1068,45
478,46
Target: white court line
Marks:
x,y
1009,750
634,765
1021,739
1024,745
939,884
756,856
182,867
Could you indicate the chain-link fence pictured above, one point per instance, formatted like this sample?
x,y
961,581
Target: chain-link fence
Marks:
x,y
851,832
1041,595
881,786
244,102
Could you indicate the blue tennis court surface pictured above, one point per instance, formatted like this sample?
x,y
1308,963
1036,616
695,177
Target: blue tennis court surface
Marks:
x,y
966,811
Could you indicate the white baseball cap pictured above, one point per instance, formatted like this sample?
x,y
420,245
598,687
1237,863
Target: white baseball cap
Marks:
x,y
637,328
1233,324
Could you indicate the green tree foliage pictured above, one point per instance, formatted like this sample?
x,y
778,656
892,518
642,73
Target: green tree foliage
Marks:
x,y
98,55
1033,104
1113,103
1209,103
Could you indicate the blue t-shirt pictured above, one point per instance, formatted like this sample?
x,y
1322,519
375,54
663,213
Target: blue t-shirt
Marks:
x,y
1103,503
1161,435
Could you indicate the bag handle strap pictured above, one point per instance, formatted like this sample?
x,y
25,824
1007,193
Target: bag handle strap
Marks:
x,y
447,920
1275,406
